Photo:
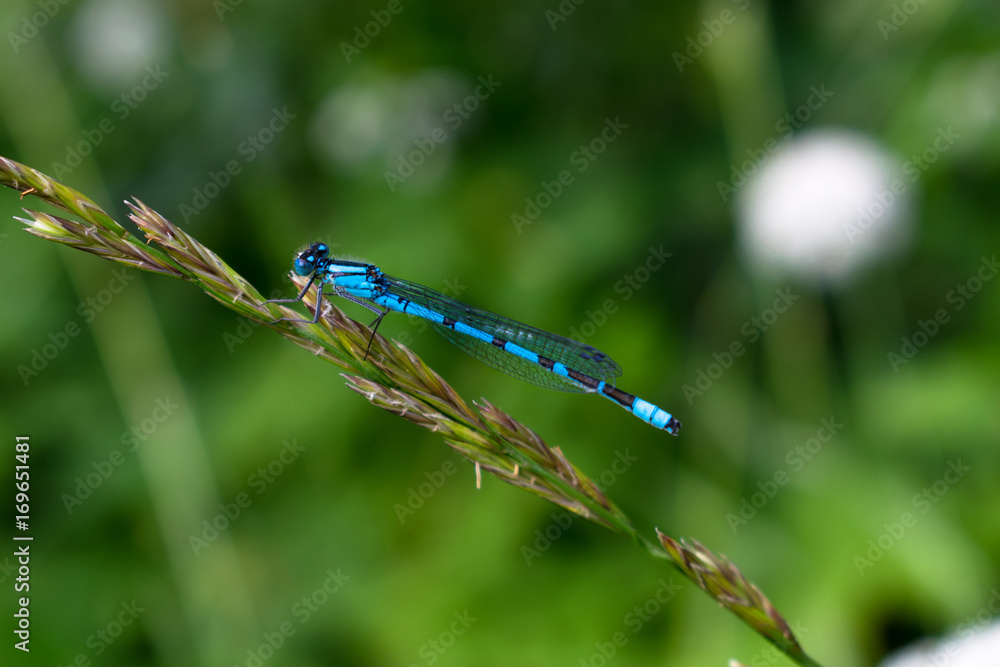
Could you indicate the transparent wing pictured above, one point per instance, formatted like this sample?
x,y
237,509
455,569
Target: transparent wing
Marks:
x,y
572,354
511,364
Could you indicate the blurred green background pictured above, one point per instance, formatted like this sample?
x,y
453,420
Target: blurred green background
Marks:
x,y
149,405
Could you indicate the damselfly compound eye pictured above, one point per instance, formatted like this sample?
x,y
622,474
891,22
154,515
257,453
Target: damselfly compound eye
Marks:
x,y
305,265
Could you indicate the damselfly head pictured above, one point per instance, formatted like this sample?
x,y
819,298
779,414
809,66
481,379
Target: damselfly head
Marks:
x,y
305,263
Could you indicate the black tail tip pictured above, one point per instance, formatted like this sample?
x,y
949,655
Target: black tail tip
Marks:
x,y
673,426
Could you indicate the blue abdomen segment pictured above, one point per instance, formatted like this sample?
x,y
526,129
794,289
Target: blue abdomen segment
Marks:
x,y
393,302
642,409
655,416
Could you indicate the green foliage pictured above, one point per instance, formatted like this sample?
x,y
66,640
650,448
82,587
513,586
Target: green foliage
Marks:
x,y
842,452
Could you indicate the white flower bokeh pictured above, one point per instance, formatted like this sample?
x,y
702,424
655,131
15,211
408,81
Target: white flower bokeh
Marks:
x,y
115,40
827,203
